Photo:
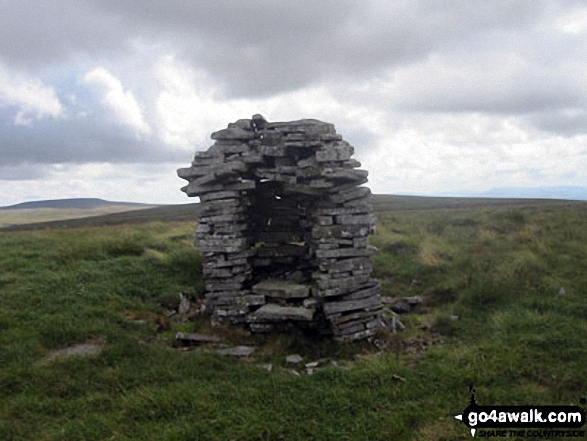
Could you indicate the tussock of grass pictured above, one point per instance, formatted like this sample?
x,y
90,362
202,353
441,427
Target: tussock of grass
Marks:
x,y
499,270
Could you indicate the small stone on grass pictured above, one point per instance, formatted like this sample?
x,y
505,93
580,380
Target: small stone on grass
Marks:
x,y
237,351
89,348
294,359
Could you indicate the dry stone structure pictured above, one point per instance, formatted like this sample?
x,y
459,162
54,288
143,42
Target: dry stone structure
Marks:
x,y
283,229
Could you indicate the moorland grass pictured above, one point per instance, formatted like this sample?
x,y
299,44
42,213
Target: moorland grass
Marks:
x,y
23,216
519,338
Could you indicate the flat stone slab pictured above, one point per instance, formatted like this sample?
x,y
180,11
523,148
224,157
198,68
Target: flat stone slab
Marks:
x,y
294,359
237,351
233,133
90,348
282,289
352,305
277,313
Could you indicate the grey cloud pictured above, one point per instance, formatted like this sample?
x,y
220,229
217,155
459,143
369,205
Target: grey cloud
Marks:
x,y
568,123
265,47
22,172
490,92
36,34
359,139
259,47
77,140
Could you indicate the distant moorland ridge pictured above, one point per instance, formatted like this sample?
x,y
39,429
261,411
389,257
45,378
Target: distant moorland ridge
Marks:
x,y
381,203
69,203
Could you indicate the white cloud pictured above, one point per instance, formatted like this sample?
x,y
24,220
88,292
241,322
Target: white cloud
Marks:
x,y
30,95
147,183
489,82
573,21
421,152
190,106
428,154
121,102
186,106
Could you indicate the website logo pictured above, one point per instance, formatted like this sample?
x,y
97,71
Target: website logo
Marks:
x,y
536,421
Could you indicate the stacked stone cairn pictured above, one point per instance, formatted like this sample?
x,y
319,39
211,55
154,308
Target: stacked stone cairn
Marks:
x,y
283,229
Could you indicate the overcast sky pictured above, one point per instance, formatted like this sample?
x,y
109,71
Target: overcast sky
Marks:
x,y
106,98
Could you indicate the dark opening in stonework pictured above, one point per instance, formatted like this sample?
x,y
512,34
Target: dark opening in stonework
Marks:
x,y
280,230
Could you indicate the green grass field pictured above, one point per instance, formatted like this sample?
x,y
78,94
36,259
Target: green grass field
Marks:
x,y
513,274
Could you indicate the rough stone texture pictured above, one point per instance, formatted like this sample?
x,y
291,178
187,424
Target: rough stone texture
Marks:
x,y
282,289
276,313
294,359
237,351
283,229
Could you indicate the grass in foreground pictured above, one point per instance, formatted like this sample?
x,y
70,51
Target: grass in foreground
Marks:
x,y
517,338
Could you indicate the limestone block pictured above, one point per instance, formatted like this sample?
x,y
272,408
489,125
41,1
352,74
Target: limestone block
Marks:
x,y
343,285
233,133
276,313
254,300
237,351
360,242
244,124
361,208
351,305
355,219
281,289
340,231
350,194
207,158
346,252
373,290
223,286
321,183
365,316
351,264
358,176
339,151
221,195
351,163
307,126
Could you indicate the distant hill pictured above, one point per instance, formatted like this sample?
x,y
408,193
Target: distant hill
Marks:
x,y
388,202
381,203
164,213
71,203
559,192
45,212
